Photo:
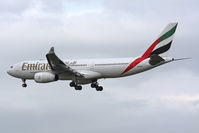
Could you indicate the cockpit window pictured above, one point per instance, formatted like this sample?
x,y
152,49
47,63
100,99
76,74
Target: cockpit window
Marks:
x,y
11,66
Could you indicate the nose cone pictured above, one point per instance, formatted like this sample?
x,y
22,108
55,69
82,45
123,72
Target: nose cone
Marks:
x,y
9,72
14,71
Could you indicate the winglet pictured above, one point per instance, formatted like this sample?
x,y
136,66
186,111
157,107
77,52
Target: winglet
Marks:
x,y
51,50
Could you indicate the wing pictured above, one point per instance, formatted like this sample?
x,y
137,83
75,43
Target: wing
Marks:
x,y
58,66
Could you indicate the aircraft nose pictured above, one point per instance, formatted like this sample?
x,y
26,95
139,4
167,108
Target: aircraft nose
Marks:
x,y
9,72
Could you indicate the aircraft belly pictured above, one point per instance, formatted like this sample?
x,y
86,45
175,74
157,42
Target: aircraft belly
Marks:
x,y
26,75
65,77
110,71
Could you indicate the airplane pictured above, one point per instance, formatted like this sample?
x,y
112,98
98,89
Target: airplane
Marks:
x,y
89,71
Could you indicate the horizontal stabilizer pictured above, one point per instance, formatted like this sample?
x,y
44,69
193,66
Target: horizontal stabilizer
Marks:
x,y
155,59
182,59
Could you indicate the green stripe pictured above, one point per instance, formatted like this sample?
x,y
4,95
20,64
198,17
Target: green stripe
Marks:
x,y
168,34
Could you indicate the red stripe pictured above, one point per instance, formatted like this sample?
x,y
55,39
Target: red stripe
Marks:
x,y
144,56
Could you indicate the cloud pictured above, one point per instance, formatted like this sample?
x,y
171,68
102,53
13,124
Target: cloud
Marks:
x,y
161,100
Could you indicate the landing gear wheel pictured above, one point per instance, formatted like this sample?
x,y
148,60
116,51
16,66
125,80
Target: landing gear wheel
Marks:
x,y
99,88
24,85
78,87
72,84
93,85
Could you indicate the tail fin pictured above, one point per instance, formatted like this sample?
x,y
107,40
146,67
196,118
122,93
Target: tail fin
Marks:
x,y
162,45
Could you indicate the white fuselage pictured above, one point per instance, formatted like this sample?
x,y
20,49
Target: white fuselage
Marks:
x,y
100,68
90,70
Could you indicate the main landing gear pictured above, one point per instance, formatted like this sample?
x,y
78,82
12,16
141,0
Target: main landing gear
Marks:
x,y
93,85
24,83
96,85
75,85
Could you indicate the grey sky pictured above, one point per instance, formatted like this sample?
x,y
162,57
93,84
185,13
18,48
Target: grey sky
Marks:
x,y
164,100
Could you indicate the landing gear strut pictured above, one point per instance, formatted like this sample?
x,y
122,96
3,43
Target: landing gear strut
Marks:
x,y
75,85
24,83
96,85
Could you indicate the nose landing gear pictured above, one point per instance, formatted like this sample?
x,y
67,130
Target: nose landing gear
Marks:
x,y
24,83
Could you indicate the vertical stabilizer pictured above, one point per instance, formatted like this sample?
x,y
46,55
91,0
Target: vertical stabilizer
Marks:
x,y
162,45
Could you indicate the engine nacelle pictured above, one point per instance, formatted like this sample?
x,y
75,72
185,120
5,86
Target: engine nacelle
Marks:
x,y
45,77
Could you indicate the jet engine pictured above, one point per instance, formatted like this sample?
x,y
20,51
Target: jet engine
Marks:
x,y
45,77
